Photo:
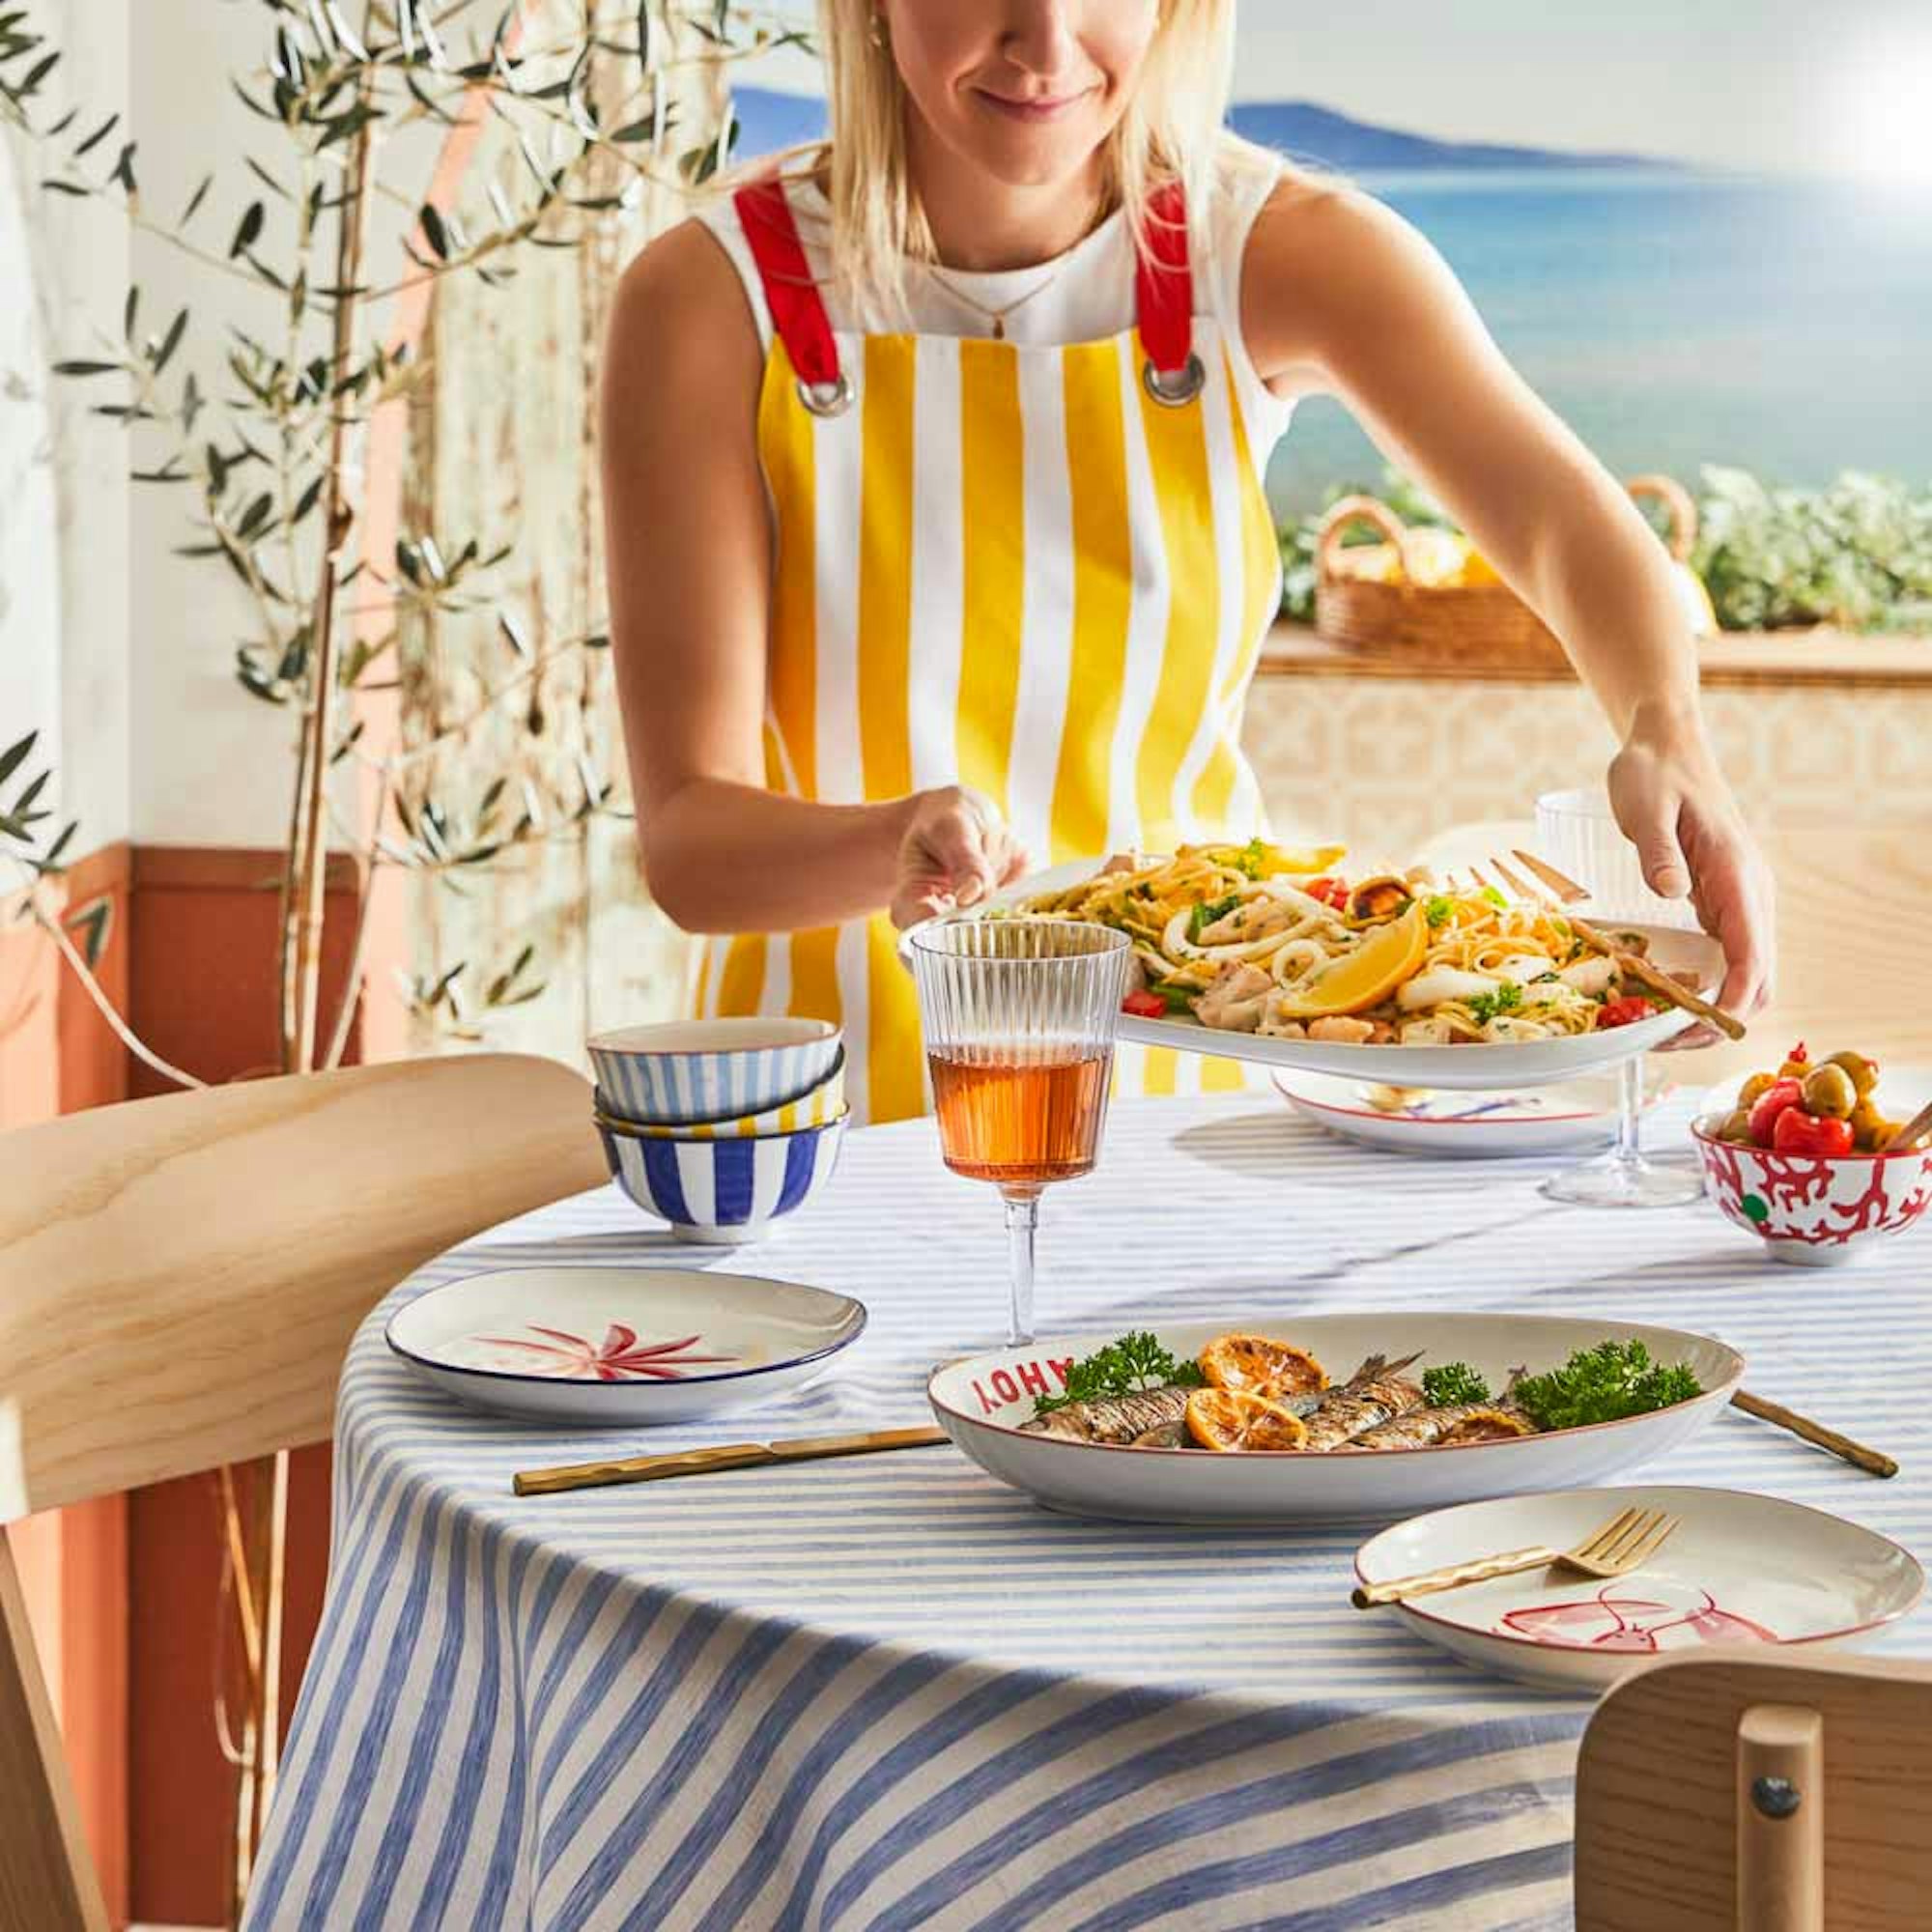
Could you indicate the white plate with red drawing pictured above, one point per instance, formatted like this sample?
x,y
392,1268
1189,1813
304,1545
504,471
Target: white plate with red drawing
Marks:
x,y
1739,1569
622,1348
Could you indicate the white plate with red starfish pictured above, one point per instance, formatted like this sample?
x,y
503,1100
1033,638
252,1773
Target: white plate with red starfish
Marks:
x,y
1739,1569
622,1348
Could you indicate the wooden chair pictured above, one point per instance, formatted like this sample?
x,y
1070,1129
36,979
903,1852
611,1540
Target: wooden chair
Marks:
x,y
1737,1790
178,1281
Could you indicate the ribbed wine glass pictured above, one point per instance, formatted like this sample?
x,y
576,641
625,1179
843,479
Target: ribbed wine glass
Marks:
x,y
1019,1017
1578,834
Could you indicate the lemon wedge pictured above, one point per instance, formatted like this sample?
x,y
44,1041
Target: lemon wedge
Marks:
x,y
1435,558
1365,977
1478,572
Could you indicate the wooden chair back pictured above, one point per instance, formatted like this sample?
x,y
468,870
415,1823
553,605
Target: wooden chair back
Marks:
x,y
1761,1794
180,1279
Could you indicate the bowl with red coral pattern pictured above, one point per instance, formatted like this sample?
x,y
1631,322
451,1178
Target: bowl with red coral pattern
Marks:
x,y
1739,1569
1818,1211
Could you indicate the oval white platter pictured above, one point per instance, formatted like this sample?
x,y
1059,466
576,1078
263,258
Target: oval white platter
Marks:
x,y
621,1348
1464,1124
981,1401
1498,1064
1738,1569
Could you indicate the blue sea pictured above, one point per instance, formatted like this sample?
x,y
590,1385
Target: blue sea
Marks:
x,y
1678,320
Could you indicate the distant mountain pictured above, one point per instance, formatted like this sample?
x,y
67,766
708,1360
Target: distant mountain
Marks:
x,y
769,121
1309,132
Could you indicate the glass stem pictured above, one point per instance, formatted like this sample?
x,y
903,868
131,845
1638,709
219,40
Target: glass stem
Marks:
x,y
1629,1112
1022,1220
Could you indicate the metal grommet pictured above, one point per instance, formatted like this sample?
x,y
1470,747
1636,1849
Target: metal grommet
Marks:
x,y
1774,1797
827,399
1178,387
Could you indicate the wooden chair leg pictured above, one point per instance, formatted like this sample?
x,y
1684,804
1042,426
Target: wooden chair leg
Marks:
x,y
1780,1819
47,1880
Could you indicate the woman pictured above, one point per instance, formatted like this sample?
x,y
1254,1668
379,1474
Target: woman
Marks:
x,y
934,478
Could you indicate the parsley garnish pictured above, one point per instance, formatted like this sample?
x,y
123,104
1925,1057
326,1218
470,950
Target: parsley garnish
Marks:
x,y
1604,1385
1205,916
1452,1384
1506,999
1251,858
1439,910
1133,1363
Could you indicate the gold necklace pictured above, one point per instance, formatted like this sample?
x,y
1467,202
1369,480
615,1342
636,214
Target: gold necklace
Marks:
x,y
996,317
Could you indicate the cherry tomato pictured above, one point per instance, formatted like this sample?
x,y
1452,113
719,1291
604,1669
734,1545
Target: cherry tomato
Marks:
x,y
1775,1099
1621,1013
1330,892
1799,1132
1145,1006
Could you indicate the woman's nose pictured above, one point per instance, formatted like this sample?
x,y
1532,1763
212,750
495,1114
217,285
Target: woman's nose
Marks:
x,y
1040,36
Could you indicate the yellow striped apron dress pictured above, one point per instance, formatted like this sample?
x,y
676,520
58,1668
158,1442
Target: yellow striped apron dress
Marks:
x,y
1044,571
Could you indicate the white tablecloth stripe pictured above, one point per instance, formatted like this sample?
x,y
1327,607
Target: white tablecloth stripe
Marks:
x,y
890,1693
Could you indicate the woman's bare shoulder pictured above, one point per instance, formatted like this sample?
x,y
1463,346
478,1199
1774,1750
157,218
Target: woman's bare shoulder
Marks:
x,y
680,319
1324,261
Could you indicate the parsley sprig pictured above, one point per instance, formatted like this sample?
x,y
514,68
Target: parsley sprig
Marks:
x,y
1204,916
1126,1367
1452,1384
1604,1385
1506,999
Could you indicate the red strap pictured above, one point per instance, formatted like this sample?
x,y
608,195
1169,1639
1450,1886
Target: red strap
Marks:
x,y
798,314
1164,285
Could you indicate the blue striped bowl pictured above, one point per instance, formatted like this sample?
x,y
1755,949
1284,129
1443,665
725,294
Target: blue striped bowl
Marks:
x,y
689,1072
719,1192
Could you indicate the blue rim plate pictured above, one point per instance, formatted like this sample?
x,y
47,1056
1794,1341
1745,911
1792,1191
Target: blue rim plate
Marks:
x,y
621,1348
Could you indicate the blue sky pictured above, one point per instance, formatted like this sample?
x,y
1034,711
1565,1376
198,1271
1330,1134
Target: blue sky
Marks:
x,y
1781,84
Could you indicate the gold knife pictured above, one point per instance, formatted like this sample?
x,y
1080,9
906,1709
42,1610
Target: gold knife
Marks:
x,y
731,1455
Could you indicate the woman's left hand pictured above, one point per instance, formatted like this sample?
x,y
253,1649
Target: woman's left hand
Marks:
x,y
1675,808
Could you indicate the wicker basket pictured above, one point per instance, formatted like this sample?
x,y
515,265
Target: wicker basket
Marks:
x,y
1366,597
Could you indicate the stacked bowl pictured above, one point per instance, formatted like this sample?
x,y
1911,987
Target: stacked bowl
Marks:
x,y
720,1126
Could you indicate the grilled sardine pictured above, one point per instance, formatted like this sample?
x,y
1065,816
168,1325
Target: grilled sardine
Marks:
x,y
1377,1393
1459,1422
1118,1419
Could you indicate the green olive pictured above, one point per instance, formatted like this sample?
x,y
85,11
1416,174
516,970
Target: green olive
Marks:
x,y
1870,1129
1862,1071
1829,1092
1758,1082
1737,1128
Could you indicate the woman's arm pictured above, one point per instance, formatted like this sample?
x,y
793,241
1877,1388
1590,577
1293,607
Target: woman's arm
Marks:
x,y
688,541
1340,295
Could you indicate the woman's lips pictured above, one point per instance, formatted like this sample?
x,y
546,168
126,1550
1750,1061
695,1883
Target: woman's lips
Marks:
x,y
1038,108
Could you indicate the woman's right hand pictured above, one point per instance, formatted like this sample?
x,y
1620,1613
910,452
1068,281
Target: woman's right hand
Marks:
x,y
957,850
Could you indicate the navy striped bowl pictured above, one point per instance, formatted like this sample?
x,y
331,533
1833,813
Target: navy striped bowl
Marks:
x,y
692,1070
720,1192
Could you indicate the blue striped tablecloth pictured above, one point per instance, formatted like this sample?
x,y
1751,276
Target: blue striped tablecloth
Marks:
x,y
890,1693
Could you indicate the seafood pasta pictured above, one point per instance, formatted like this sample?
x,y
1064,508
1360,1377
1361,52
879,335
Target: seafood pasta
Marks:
x,y
1255,939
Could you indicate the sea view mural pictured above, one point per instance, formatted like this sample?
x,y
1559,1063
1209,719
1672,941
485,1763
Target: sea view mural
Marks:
x,y
1705,242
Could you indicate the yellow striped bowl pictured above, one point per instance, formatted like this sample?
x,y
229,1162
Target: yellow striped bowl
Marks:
x,y
824,1105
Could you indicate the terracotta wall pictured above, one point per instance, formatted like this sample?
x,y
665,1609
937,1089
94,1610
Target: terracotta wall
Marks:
x,y
125,1591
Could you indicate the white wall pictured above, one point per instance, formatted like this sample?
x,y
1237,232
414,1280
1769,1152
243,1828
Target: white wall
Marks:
x,y
121,652
63,493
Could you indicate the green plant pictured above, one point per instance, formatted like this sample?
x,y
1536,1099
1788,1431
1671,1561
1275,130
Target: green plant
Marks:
x,y
260,421
1857,553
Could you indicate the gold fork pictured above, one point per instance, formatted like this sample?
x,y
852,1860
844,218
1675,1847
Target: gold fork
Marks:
x,y
1626,1543
1633,965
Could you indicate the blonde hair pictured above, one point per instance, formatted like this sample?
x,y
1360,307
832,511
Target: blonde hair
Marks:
x,y
1172,130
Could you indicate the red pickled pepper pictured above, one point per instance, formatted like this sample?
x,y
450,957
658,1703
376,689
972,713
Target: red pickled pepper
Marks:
x,y
1816,1134
1777,1098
